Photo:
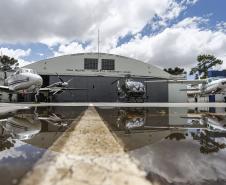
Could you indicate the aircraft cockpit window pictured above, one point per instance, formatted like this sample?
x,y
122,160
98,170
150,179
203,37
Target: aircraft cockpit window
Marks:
x,y
26,70
215,79
33,71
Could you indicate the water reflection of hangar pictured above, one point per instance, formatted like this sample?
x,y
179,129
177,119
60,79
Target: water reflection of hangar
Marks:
x,y
96,72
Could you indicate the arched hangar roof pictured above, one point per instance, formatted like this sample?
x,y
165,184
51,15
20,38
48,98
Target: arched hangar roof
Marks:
x,y
105,65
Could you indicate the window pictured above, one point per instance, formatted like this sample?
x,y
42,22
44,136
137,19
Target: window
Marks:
x,y
69,69
90,63
108,64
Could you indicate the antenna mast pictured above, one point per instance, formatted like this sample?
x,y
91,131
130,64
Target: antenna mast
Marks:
x,y
98,44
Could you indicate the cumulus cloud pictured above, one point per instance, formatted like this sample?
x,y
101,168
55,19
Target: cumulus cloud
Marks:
x,y
66,25
71,48
18,54
178,45
50,22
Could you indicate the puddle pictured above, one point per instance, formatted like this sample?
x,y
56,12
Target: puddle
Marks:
x,y
173,145
25,135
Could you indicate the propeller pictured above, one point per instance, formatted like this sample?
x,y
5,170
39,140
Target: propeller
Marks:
x,y
65,84
126,77
115,81
60,78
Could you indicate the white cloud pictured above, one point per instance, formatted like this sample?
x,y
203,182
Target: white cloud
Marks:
x,y
175,46
24,62
191,22
68,23
51,23
221,26
17,54
71,48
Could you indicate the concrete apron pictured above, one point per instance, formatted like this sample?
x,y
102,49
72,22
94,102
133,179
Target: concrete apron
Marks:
x,y
86,154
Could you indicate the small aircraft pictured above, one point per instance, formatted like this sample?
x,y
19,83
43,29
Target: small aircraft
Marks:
x,y
22,80
201,87
28,81
129,89
57,88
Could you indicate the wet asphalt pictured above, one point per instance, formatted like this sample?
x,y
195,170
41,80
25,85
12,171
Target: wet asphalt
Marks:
x,y
172,145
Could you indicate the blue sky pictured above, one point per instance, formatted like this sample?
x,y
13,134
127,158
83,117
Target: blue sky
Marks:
x,y
166,33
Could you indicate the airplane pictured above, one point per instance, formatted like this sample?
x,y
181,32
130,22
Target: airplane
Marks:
x,y
129,89
201,87
22,80
57,88
28,81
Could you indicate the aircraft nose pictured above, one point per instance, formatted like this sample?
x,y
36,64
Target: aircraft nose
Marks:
x,y
38,80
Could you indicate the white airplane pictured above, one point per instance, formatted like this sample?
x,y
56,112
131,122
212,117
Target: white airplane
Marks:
x,y
27,81
22,80
202,87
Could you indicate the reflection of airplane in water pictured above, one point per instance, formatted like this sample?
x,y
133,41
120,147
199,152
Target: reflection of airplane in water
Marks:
x,y
24,126
210,121
214,127
139,127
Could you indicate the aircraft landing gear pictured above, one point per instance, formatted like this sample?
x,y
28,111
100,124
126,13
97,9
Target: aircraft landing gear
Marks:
x,y
10,97
196,99
37,97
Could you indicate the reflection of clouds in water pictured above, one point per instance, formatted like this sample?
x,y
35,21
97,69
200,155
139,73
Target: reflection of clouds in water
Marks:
x,y
181,162
13,152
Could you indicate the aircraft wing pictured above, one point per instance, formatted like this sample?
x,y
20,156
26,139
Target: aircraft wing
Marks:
x,y
4,88
197,89
178,81
74,89
57,90
45,89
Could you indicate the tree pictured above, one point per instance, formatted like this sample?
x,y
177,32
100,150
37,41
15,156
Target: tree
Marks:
x,y
7,63
205,62
175,71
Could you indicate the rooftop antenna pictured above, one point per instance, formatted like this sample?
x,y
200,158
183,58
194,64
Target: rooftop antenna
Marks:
x,y
98,44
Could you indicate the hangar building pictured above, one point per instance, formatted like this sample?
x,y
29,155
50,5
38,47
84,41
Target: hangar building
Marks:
x,y
97,71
